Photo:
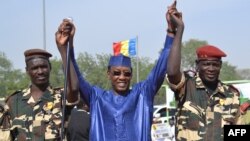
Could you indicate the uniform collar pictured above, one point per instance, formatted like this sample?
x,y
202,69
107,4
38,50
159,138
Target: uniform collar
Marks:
x,y
47,95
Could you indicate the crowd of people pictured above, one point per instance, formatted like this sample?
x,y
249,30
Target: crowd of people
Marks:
x,y
204,103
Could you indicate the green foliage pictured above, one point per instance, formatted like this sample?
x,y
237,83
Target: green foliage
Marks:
x,y
189,53
228,72
56,74
5,64
244,73
160,97
144,67
94,69
11,79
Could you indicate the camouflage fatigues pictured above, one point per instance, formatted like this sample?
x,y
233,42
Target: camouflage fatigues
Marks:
x,y
201,115
36,121
4,124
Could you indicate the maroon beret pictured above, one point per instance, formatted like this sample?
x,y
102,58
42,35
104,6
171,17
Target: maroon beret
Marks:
x,y
36,53
208,51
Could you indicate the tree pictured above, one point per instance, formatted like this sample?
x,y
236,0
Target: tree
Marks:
x,y
11,79
56,74
189,53
144,67
228,72
244,73
94,69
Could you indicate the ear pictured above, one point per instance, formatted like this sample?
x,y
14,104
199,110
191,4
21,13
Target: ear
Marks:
x,y
197,65
50,66
26,69
108,74
196,62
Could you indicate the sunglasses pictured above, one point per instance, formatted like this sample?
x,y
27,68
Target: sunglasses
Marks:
x,y
118,73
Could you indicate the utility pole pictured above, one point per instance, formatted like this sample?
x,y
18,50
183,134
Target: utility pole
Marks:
x,y
44,26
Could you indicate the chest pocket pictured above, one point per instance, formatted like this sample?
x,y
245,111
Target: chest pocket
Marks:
x,y
195,116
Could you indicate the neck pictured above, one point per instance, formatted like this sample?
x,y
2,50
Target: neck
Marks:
x,y
37,91
211,85
124,93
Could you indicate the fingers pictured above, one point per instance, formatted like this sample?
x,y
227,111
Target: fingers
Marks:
x,y
66,28
173,6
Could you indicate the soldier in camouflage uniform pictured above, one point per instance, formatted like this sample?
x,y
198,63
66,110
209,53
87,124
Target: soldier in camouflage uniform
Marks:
x,y
204,103
35,113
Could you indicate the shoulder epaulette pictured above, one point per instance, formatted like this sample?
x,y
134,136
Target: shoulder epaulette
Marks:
x,y
16,92
233,88
58,89
190,73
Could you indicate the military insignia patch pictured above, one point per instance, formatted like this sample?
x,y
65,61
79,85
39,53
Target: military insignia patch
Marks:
x,y
222,101
48,106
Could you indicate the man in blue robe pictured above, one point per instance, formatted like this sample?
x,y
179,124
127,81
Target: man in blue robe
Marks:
x,y
122,114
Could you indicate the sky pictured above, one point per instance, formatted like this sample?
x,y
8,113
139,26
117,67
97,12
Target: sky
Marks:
x,y
99,23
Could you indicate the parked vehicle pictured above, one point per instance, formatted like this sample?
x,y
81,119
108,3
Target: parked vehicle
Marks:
x,y
162,113
160,126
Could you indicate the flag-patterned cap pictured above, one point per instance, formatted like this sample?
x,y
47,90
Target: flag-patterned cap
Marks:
x,y
208,51
120,60
36,53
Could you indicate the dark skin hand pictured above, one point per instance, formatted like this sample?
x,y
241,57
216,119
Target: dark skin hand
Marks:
x,y
172,10
65,35
174,61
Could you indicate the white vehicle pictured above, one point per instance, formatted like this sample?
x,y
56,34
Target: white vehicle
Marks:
x,y
160,128
162,113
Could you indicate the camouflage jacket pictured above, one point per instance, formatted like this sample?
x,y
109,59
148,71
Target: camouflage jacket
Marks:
x,y
36,121
201,115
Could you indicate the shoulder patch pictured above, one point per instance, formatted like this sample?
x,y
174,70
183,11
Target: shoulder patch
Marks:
x,y
58,89
190,73
16,92
234,89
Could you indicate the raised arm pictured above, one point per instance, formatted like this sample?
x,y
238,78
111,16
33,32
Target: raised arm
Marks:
x,y
176,25
65,35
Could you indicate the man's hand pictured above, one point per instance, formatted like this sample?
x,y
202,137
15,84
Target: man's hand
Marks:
x,y
172,17
65,33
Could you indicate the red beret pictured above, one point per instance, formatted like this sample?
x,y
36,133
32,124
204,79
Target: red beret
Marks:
x,y
36,53
207,51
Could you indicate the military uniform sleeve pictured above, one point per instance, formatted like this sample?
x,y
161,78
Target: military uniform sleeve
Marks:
x,y
5,134
61,91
